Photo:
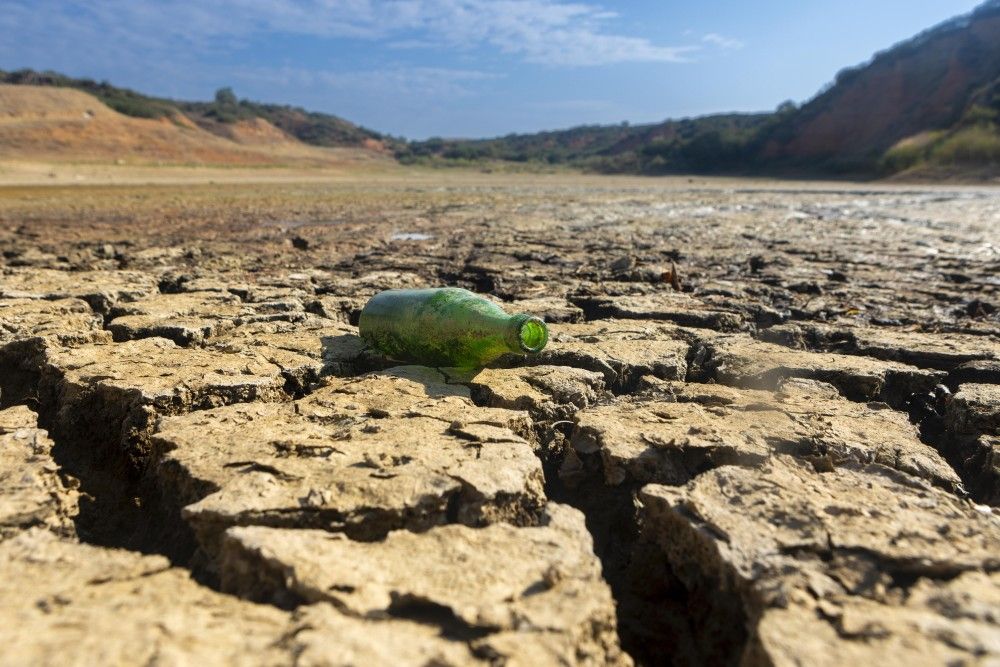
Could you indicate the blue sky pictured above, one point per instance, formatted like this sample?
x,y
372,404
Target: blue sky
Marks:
x,y
470,68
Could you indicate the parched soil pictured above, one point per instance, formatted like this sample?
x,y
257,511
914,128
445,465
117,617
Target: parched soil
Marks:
x,y
766,429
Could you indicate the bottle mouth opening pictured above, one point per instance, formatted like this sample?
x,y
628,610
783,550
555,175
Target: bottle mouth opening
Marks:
x,y
533,334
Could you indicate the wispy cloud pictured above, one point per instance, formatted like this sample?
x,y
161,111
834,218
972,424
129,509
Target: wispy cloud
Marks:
x,y
723,42
413,83
550,32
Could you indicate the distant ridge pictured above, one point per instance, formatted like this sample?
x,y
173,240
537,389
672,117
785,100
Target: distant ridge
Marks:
x,y
929,105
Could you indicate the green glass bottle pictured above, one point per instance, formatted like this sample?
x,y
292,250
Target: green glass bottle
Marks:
x,y
446,326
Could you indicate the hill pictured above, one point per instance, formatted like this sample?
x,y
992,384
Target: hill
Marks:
x,y
48,123
933,83
695,144
239,123
929,104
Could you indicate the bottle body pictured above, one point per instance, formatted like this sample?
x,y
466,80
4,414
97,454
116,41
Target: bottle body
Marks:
x,y
446,326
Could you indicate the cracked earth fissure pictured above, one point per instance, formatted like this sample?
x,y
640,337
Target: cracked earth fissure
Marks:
x,y
697,624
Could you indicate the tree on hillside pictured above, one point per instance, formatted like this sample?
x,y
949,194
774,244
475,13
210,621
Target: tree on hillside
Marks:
x,y
225,97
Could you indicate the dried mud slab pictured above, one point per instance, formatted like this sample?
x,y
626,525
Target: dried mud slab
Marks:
x,y
622,351
743,362
550,308
362,456
971,438
517,595
676,307
986,371
100,289
547,392
306,350
66,321
70,603
367,284
975,409
832,568
112,394
31,491
941,351
682,430
191,318
30,326
321,636
186,319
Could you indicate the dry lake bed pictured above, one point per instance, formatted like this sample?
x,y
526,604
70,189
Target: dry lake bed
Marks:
x,y
766,428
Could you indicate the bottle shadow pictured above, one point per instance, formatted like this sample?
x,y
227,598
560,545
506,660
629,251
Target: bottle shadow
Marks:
x,y
347,355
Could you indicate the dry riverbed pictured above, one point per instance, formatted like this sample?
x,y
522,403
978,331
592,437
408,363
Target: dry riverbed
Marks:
x,y
766,429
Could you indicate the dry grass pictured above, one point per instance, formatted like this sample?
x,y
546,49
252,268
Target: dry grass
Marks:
x,y
62,124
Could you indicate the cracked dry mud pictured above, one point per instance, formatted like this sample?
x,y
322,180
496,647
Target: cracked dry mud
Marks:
x,y
766,430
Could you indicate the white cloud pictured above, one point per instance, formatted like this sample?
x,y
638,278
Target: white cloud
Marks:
x,y
410,82
723,42
539,31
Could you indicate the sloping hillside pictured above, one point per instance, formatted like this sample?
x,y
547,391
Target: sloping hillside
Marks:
x,y
692,144
925,84
41,122
218,116
970,148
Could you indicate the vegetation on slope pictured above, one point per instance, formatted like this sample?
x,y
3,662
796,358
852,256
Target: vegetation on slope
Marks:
x,y
698,144
973,142
122,100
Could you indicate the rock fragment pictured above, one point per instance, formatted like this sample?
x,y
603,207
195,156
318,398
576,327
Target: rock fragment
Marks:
x,y
831,568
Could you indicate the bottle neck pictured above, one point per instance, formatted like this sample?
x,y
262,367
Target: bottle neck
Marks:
x,y
526,334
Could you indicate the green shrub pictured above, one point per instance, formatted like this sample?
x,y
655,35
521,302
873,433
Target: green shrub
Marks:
x,y
978,144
